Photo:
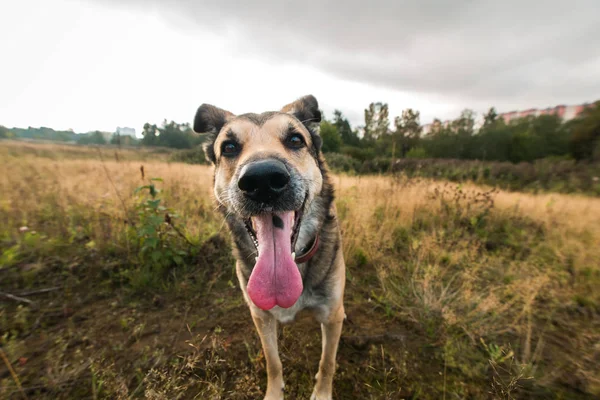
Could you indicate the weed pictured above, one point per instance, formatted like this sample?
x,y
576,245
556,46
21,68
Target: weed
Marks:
x,y
506,374
155,230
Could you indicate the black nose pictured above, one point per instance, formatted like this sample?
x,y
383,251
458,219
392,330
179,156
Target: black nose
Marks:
x,y
264,180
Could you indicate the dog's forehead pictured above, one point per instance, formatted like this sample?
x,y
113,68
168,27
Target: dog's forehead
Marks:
x,y
271,122
259,119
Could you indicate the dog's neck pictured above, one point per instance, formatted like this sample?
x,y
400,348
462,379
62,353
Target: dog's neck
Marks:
x,y
309,252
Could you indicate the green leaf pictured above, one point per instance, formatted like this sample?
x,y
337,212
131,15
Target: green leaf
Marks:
x,y
156,256
178,260
139,189
156,179
153,203
156,220
151,242
148,230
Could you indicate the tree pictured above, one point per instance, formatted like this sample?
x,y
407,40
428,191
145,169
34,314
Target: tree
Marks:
x,y
407,131
174,135
332,140
95,137
44,133
171,134
490,118
493,141
5,133
349,137
376,121
585,133
464,128
465,124
552,139
149,135
437,128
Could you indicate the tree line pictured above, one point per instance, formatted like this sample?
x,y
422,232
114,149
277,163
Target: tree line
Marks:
x,y
168,134
521,140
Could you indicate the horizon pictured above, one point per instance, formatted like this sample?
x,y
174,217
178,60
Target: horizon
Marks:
x,y
478,119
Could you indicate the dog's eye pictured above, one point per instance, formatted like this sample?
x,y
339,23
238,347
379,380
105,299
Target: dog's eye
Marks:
x,y
230,148
295,141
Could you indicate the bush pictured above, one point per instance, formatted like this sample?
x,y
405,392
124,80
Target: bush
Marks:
x,y
376,166
161,245
332,141
342,163
417,152
565,176
359,153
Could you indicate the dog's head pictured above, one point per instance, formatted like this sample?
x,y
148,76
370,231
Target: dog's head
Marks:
x,y
267,173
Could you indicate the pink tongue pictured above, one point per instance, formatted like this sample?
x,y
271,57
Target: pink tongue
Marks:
x,y
275,279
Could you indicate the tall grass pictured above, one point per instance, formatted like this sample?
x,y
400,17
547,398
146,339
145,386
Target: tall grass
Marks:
x,y
503,285
469,264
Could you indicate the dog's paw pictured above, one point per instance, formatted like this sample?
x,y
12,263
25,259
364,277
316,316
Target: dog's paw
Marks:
x,y
275,394
271,396
320,396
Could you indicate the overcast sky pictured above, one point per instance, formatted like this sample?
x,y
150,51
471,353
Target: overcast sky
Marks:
x,y
98,64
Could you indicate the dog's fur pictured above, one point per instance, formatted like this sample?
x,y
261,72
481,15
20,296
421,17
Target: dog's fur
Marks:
x,y
263,136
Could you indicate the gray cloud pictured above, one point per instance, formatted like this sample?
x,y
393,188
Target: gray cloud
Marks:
x,y
478,53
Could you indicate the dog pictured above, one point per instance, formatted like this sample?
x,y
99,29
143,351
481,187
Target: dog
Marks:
x,y
272,185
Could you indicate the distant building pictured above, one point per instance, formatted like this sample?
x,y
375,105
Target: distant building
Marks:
x,y
566,113
125,131
435,125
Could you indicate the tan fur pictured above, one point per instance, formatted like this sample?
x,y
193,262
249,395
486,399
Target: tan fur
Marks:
x,y
263,136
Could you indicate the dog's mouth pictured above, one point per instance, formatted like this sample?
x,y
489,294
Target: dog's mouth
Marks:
x,y
275,278
276,221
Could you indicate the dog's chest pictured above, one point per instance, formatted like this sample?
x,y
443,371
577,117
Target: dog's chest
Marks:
x,y
306,301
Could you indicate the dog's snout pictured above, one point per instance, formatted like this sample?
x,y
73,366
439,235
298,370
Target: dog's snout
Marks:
x,y
264,180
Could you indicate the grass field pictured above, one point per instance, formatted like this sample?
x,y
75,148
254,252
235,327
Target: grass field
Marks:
x,y
453,292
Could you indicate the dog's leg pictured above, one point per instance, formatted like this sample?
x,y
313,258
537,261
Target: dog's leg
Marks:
x,y
266,325
331,330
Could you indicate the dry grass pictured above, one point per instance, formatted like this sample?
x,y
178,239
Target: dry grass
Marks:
x,y
17,149
490,291
468,262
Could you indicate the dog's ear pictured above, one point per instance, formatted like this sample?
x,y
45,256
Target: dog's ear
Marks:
x,y
306,110
209,120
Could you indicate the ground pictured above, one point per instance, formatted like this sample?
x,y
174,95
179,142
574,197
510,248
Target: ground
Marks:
x,y
453,291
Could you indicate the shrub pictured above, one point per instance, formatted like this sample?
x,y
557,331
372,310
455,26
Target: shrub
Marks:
x,y
161,245
417,152
565,176
359,153
342,163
